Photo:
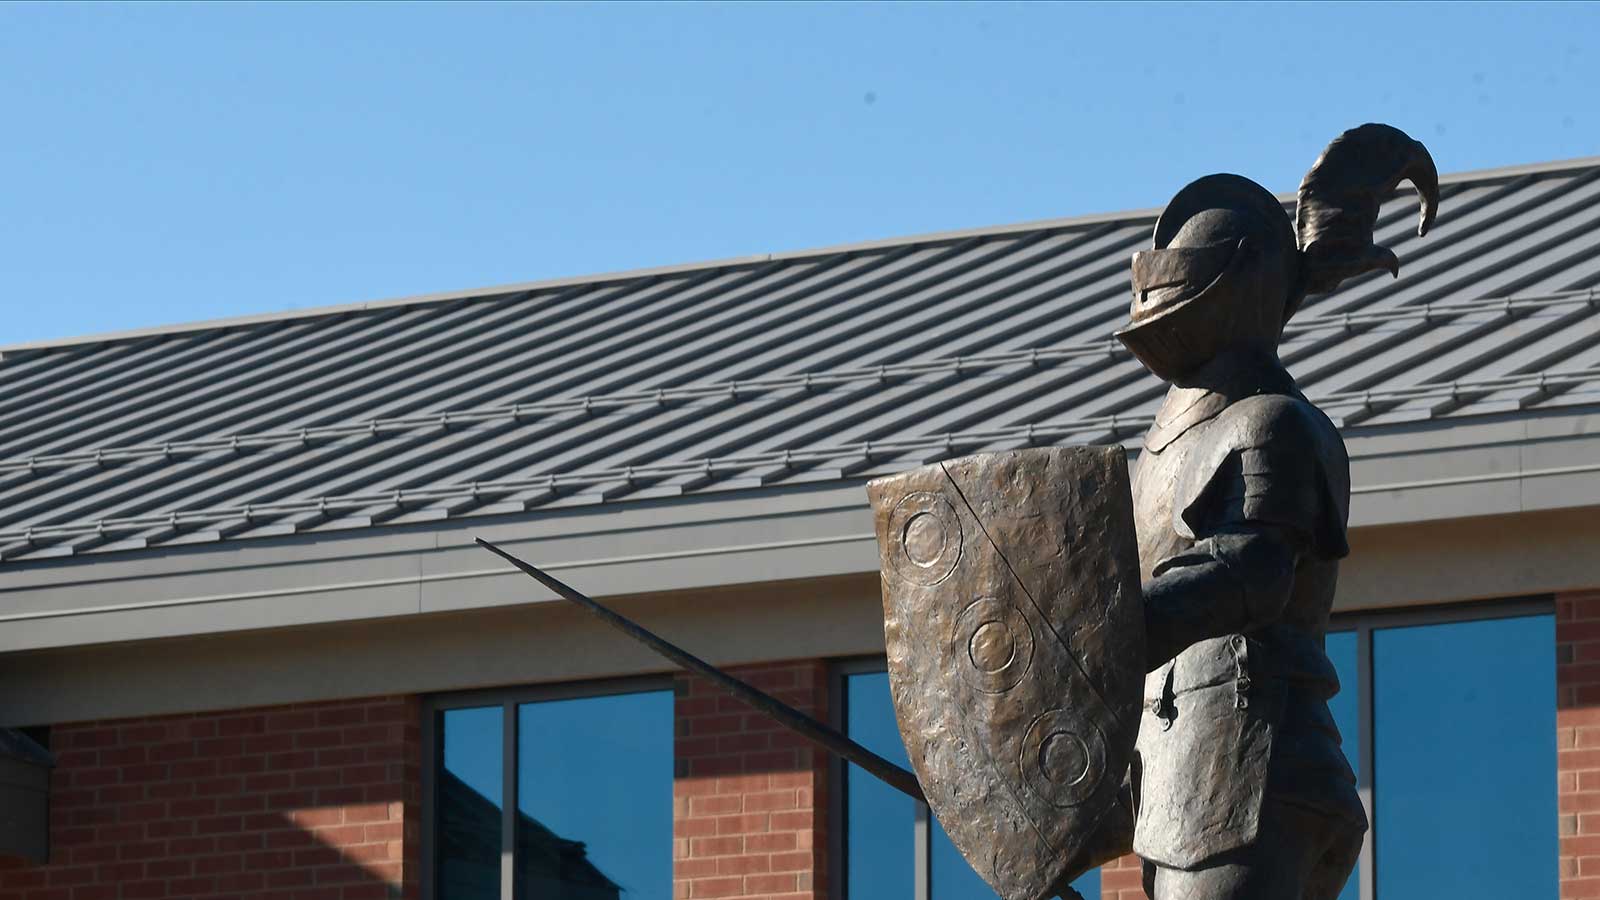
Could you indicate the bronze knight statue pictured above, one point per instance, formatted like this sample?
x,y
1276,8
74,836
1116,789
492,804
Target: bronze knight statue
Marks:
x,y
1029,595
1241,494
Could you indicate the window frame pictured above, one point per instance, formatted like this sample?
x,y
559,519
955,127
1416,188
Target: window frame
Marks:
x,y
508,699
838,799
1362,623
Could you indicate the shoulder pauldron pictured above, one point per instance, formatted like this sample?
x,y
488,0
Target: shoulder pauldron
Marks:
x,y
1271,459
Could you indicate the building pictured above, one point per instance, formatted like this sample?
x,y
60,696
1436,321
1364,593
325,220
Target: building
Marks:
x,y
241,607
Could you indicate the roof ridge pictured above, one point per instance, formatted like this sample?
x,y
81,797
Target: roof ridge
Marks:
x,y
499,291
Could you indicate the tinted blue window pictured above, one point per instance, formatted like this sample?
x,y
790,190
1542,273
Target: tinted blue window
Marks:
x,y
880,840
1088,884
1465,775
594,798
880,855
1346,705
1346,709
469,795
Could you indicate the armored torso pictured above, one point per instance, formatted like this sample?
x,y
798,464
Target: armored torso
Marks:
x,y
1239,718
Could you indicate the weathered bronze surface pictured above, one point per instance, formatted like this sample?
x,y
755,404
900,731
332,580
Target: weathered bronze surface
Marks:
x,y
1008,585
1015,643
1017,629
1241,496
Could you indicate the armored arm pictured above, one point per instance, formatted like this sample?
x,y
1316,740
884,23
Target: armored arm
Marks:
x,y
1229,582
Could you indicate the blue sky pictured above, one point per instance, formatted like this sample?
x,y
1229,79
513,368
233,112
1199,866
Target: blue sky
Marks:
x,y
171,163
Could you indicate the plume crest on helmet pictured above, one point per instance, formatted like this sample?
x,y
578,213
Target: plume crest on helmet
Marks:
x,y
1339,200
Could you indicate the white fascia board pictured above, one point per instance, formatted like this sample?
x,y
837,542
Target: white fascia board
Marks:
x,y
1486,466
646,547
1411,475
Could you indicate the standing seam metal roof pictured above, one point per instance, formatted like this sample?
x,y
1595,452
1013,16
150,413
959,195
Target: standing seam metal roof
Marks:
x,y
765,371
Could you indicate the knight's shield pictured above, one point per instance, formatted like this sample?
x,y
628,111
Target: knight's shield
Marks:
x,y
1013,621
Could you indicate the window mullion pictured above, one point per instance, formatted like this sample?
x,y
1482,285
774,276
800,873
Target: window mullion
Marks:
x,y
508,801
432,760
922,840
1365,871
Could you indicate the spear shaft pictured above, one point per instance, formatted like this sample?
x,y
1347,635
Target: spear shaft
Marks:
x,y
818,733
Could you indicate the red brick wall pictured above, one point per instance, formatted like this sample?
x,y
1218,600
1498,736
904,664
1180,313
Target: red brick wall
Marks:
x,y
1578,741
322,801
1120,879
306,802
749,801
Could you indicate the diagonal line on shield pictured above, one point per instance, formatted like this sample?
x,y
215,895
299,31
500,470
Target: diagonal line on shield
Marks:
x,y
1043,617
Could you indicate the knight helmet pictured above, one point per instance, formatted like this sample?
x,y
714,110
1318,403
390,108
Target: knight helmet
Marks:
x,y
1227,268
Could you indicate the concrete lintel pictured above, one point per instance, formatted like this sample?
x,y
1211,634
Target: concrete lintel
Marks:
x,y
838,616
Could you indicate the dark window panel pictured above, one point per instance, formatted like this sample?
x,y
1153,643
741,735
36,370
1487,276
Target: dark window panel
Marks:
x,y
880,852
594,798
1346,705
1346,709
1464,765
470,790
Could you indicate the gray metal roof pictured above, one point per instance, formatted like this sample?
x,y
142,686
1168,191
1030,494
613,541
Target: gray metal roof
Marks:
x,y
805,367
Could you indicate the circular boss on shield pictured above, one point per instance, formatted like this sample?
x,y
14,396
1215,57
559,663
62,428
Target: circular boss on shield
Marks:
x,y
924,538
1063,759
993,645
